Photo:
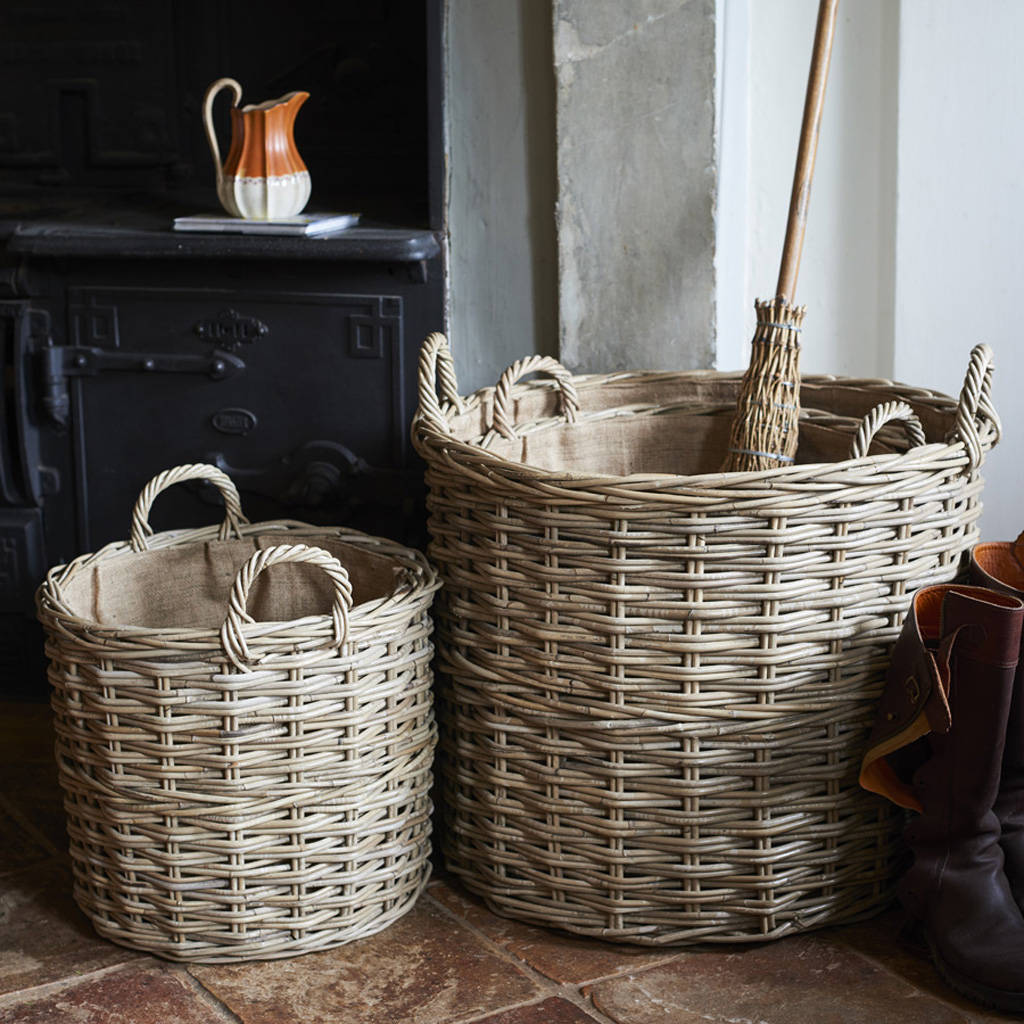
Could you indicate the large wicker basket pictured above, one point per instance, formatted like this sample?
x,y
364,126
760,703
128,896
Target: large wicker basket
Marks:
x,y
656,679
240,789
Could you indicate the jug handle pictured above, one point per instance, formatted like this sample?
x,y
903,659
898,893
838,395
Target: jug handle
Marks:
x,y
211,136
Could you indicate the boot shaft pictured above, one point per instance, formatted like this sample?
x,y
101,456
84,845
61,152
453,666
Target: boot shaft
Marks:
x,y
999,566
952,667
960,780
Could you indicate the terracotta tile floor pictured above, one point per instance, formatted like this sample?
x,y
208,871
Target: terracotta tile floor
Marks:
x,y
449,960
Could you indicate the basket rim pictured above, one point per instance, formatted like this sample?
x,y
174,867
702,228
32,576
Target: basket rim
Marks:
x,y
417,582
426,436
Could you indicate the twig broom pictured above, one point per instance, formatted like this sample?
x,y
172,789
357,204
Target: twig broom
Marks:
x,y
764,431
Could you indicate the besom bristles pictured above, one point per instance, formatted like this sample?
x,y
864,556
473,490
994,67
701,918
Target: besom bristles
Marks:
x,y
764,432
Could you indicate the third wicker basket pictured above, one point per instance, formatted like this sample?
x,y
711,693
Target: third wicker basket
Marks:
x,y
657,679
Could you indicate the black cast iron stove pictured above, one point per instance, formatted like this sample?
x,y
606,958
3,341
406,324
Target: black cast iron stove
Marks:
x,y
127,348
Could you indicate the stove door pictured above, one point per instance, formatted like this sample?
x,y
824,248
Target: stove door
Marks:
x,y
298,396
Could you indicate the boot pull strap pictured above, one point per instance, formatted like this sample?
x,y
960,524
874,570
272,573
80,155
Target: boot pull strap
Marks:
x,y
937,709
1018,550
915,702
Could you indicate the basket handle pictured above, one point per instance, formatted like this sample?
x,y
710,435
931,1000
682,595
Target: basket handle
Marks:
x,y
501,419
233,518
231,636
877,418
975,405
436,363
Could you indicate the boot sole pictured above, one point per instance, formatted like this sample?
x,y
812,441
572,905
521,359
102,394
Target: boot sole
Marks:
x,y
994,998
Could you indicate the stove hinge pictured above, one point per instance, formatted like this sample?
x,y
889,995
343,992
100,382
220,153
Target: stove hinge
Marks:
x,y
59,362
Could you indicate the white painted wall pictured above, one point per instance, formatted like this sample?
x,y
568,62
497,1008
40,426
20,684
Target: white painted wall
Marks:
x,y
960,217
916,215
845,275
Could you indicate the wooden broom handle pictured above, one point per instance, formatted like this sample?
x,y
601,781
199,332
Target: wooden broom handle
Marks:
x,y
802,176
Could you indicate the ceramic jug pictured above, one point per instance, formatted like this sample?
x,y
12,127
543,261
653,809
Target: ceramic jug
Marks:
x,y
263,177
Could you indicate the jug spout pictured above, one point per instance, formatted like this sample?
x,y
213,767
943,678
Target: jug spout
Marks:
x,y
263,177
293,101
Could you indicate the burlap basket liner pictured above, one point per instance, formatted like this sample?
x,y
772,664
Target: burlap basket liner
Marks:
x,y
188,586
225,806
656,679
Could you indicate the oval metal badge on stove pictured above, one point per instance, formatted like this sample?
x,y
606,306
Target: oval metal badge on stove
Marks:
x,y
238,422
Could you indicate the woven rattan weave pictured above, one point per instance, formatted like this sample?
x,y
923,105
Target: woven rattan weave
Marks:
x,y
657,679
240,789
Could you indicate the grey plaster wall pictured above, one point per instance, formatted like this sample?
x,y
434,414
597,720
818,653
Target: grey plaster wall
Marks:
x,y
589,235
635,93
502,294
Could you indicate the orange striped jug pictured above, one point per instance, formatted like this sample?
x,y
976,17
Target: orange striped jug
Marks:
x,y
263,177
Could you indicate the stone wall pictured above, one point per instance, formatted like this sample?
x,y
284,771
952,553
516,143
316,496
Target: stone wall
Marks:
x,y
581,183
636,183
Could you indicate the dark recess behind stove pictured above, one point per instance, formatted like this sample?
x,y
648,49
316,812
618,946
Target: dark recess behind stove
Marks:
x,y
112,326
106,98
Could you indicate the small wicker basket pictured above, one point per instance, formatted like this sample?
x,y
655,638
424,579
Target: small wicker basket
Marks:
x,y
657,679
240,789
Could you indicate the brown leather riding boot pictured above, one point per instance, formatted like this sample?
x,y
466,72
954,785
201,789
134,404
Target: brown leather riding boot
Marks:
x,y
1000,567
937,748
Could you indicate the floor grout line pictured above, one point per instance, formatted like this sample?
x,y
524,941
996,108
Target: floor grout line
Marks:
x,y
580,1003
565,990
949,996
210,998
69,981
494,947
73,981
